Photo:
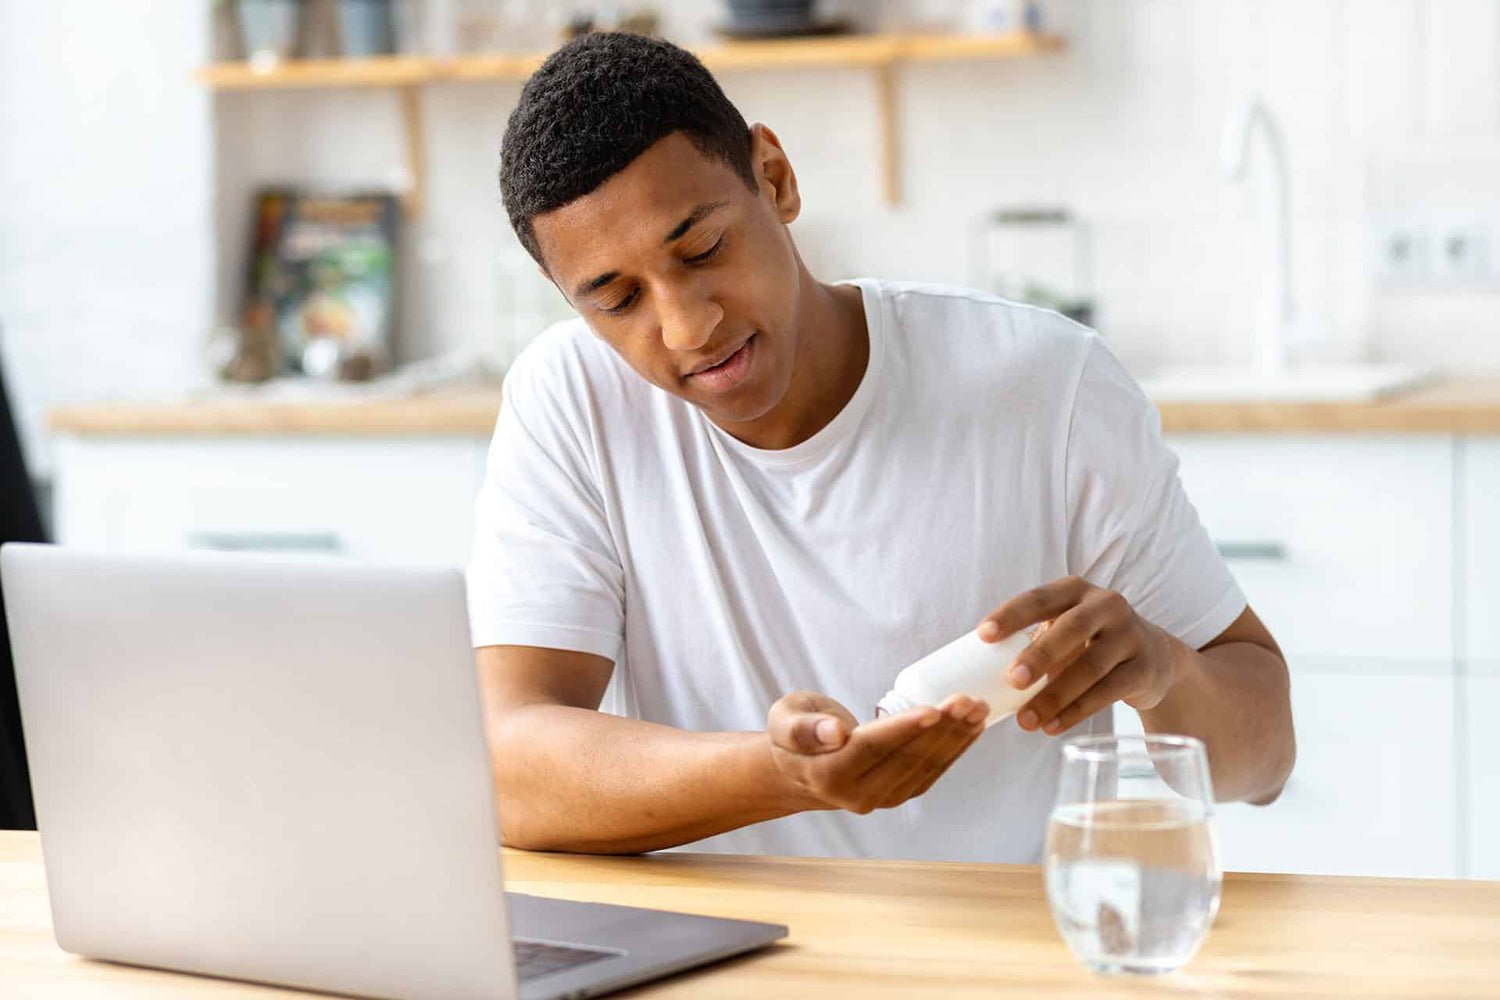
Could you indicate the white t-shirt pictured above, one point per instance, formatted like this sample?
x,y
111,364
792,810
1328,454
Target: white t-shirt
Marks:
x,y
989,448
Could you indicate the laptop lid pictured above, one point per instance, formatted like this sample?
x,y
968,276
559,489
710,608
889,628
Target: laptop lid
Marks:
x,y
268,768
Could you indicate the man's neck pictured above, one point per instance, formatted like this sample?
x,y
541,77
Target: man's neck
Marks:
x,y
833,348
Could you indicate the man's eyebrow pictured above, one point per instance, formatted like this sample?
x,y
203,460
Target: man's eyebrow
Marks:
x,y
698,215
594,285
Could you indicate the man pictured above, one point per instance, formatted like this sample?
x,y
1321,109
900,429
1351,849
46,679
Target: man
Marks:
x,y
746,500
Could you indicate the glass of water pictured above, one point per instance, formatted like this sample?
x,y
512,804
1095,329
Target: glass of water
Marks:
x,y
1132,868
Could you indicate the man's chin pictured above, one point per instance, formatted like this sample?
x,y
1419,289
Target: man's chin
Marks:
x,y
733,413
729,416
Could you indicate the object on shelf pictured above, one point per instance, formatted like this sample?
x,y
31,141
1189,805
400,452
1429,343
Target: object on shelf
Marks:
x,y
752,19
480,26
256,356
1036,254
366,28
637,20
320,297
1004,16
269,30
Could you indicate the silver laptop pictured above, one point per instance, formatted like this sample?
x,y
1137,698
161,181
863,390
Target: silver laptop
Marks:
x,y
274,769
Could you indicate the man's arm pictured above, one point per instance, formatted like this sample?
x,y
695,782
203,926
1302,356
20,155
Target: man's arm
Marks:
x,y
1234,693
571,778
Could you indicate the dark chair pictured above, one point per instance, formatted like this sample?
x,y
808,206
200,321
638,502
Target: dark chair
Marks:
x,y
20,521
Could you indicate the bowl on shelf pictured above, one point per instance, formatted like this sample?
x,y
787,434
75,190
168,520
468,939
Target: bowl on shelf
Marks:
x,y
772,10
778,18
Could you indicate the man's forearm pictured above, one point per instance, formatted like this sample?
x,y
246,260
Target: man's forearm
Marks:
x,y
572,779
1235,698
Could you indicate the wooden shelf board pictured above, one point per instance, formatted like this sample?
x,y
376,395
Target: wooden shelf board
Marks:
x,y
1016,45
492,66
843,50
379,71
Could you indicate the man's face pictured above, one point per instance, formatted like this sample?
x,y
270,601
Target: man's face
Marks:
x,y
688,274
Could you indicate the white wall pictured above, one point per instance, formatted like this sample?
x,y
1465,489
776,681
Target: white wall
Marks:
x,y
1125,127
105,186
1387,104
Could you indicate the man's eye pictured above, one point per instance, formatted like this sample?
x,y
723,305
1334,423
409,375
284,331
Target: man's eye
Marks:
x,y
622,305
705,255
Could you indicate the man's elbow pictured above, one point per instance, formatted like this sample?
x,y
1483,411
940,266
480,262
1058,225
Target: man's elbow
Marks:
x,y
1280,770
519,829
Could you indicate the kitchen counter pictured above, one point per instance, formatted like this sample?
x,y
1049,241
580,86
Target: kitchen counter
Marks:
x,y
1466,406
902,929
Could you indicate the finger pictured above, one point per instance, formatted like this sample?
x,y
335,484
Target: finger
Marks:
x,y
872,742
950,742
1103,655
1054,649
938,768
1116,686
960,713
1036,605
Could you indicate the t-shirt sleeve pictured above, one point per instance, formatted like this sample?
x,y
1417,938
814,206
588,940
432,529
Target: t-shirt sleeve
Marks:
x,y
544,569
1131,527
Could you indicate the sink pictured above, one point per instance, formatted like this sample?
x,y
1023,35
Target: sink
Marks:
x,y
1351,383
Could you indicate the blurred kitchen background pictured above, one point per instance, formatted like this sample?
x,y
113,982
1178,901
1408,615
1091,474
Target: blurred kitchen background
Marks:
x,y
1283,215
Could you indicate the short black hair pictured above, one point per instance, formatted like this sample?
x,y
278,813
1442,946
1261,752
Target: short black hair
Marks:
x,y
595,105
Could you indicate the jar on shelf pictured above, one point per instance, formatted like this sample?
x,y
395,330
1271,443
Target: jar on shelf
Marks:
x,y
1039,254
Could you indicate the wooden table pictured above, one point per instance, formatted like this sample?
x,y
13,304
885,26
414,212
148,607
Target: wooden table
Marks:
x,y
870,929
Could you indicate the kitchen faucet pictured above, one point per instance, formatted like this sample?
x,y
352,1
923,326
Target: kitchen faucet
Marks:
x,y
1277,312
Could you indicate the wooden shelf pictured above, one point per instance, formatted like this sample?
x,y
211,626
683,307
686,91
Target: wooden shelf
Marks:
x,y
381,71
842,50
882,53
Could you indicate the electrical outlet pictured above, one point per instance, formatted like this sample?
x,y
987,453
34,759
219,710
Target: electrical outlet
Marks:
x,y
1401,253
1461,253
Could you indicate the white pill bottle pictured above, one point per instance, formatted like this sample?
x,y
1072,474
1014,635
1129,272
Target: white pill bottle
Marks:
x,y
968,665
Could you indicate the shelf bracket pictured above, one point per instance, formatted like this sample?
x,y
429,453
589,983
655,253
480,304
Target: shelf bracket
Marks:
x,y
890,142
414,198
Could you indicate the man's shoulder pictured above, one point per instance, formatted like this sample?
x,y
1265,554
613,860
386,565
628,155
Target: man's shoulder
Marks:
x,y
565,366
986,334
960,308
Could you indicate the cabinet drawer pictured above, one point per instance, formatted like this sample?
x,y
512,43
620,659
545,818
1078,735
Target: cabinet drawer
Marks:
x,y
392,499
1343,545
1374,791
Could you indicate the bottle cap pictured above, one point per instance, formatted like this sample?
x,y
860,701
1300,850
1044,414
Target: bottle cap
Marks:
x,y
892,704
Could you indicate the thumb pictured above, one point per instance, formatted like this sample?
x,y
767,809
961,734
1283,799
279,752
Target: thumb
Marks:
x,y
808,732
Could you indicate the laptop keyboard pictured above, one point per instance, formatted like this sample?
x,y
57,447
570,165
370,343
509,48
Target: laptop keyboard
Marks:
x,y
535,959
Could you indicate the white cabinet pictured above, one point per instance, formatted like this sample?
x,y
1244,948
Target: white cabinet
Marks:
x,y
398,498
1481,549
1343,544
1374,791
1480,729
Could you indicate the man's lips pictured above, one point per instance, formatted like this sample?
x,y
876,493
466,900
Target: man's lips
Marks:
x,y
729,374
718,359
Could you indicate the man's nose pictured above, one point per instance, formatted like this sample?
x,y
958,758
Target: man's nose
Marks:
x,y
688,321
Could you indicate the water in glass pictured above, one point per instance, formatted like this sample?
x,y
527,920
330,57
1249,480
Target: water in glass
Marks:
x,y
1132,868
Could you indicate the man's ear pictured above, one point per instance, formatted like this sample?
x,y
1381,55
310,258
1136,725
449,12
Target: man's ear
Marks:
x,y
774,173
